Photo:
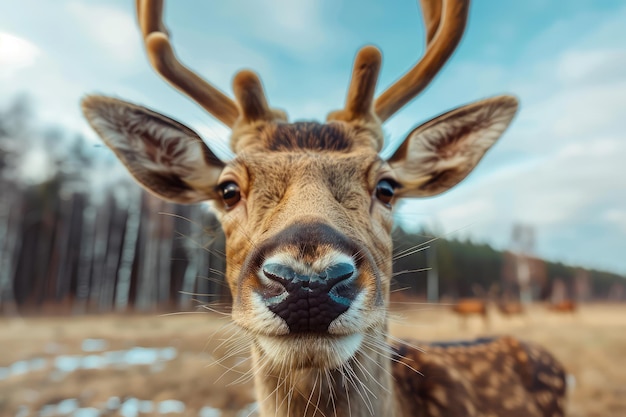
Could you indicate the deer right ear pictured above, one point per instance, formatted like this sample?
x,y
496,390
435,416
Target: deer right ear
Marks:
x,y
440,153
166,157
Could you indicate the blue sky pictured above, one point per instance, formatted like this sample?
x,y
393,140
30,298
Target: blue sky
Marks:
x,y
561,167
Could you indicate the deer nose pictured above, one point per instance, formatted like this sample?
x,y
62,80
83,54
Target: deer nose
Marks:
x,y
310,302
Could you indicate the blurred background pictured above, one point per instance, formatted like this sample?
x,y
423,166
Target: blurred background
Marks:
x,y
89,263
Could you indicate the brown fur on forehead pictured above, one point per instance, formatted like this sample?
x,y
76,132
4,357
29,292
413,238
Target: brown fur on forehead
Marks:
x,y
287,167
334,136
307,135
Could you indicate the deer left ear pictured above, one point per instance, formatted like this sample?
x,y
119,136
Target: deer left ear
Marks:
x,y
440,153
167,158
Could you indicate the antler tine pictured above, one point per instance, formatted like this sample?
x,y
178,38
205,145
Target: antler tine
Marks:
x,y
251,98
360,97
445,22
164,61
153,22
431,12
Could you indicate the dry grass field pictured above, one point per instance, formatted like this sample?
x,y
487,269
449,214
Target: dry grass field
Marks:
x,y
196,365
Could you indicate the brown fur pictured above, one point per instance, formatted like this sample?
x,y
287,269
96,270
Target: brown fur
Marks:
x,y
307,136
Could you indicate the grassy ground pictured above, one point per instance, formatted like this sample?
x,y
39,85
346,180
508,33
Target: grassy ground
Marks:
x,y
43,362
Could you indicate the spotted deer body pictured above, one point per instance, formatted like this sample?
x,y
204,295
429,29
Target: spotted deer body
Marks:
x,y
307,212
484,377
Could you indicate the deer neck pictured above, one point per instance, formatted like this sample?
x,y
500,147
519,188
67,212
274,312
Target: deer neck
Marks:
x,y
363,387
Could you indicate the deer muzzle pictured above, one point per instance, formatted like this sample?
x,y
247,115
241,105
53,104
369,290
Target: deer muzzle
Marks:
x,y
307,275
310,302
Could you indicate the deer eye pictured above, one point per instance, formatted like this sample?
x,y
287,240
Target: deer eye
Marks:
x,y
231,194
385,190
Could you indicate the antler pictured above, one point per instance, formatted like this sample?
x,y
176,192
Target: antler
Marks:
x,y
248,89
445,22
442,37
360,97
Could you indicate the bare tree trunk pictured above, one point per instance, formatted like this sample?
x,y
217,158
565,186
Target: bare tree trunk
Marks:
x,y
111,256
192,252
165,232
10,244
43,247
26,289
180,258
100,242
62,242
202,258
148,271
129,245
216,262
69,246
85,263
79,205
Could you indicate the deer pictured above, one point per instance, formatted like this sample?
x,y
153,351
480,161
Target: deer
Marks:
x,y
511,308
563,306
307,211
466,307
478,305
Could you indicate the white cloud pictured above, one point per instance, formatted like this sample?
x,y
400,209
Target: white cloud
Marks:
x,y
458,216
600,65
114,31
301,27
16,54
616,217
221,57
585,111
72,46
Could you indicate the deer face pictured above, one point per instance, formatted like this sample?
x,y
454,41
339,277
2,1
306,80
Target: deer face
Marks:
x,y
307,212
308,248
306,207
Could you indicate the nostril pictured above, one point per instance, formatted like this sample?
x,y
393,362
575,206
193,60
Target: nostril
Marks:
x,y
340,279
331,276
339,272
279,272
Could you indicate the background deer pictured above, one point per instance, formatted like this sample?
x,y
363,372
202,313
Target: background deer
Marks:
x,y
307,213
476,306
564,306
510,308
467,307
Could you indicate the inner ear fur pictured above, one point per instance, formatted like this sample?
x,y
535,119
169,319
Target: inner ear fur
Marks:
x,y
166,157
440,153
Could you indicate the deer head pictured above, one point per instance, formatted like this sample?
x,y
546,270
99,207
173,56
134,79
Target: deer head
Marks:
x,y
306,207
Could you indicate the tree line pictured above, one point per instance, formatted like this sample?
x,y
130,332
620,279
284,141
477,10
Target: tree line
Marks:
x,y
462,266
